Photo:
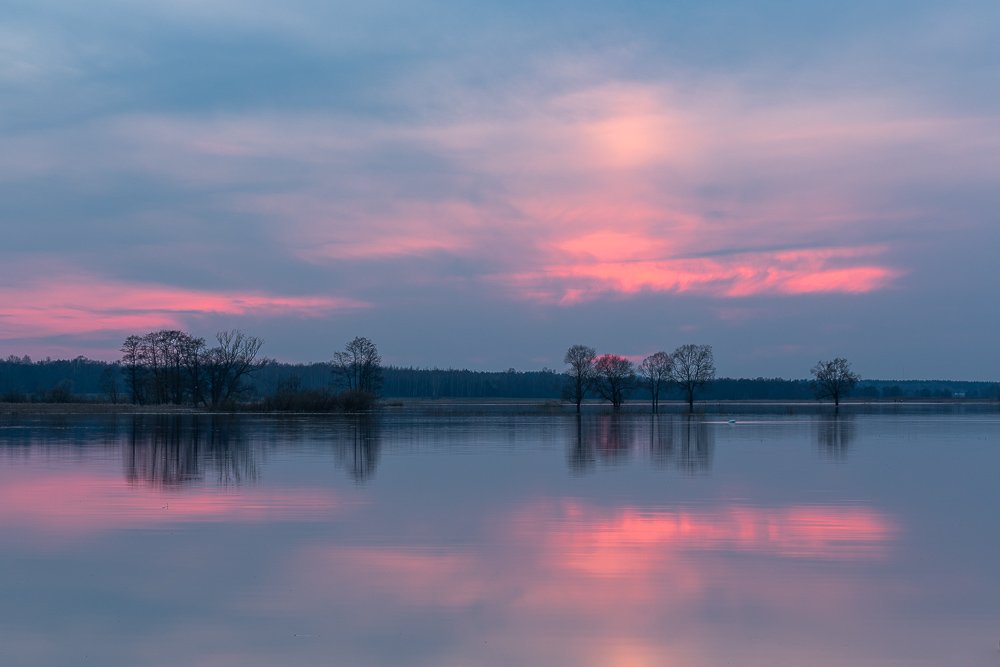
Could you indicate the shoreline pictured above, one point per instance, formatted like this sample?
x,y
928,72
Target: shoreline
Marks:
x,y
516,406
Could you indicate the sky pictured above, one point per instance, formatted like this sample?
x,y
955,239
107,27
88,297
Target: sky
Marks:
x,y
482,185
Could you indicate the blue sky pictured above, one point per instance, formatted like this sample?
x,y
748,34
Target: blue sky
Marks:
x,y
484,185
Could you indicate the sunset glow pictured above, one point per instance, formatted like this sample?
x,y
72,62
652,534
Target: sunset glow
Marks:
x,y
618,157
799,272
82,304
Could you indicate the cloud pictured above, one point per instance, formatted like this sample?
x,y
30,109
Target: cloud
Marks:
x,y
72,303
592,275
590,157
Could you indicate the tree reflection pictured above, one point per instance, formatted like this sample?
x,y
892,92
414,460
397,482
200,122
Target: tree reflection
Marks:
x,y
581,451
609,438
174,450
834,435
686,442
358,448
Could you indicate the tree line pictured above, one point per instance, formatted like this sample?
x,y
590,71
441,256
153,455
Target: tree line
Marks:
x,y
614,377
171,366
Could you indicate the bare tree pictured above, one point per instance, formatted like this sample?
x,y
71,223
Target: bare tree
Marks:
x,y
655,369
109,381
227,365
614,378
692,366
135,371
359,366
580,360
834,379
163,366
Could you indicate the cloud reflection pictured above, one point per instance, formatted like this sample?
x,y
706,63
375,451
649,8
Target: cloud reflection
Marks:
x,y
623,582
78,504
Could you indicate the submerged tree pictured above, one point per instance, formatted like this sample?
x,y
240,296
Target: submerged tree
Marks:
x,y
692,366
580,360
359,366
614,378
655,369
834,379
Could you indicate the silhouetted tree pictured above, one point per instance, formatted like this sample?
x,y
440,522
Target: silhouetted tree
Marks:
x,y
655,369
227,365
109,381
580,360
834,379
614,378
692,366
134,370
359,366
163,366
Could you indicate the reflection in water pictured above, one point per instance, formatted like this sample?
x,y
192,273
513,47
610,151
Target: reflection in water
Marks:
x,y
687,442
630,577
505,561
173,450
358,448
623,540
581,451
609,438
834,435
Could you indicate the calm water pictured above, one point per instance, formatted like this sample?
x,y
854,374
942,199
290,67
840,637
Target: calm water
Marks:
x,y
500,540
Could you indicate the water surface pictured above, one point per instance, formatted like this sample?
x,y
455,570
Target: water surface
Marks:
x,y
496,539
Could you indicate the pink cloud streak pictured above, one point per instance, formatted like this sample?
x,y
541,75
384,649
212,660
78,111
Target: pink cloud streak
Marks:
x,y
77,304
600,264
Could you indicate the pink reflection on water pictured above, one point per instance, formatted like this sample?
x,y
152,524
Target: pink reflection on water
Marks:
x,y
565,582
81,503
570,556
592,537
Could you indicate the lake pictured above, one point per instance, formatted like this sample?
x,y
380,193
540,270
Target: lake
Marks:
x,y
424,537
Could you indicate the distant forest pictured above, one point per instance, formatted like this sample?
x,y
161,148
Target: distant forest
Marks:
x,y
82,379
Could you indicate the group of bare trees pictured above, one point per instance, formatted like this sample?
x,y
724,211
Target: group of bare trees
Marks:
x,y
613,377
171,366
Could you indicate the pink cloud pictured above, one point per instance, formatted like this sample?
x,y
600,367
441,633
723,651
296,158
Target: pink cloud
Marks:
x,y
79,304
608,188
596,265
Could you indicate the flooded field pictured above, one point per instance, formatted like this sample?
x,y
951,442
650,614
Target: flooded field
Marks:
x,y
424,537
